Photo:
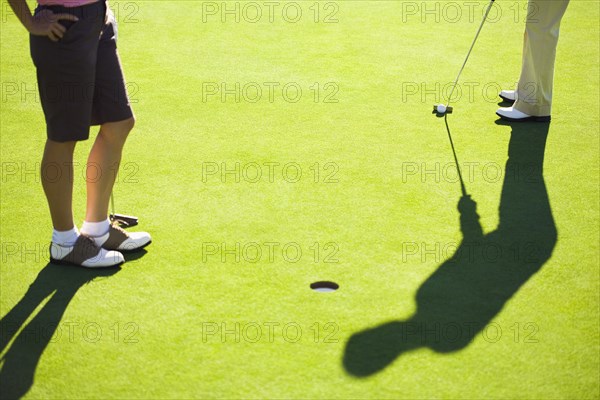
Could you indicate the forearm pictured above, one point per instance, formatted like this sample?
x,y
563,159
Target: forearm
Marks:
x,y
22,11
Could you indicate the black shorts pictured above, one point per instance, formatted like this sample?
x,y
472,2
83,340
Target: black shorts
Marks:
x,y
79,77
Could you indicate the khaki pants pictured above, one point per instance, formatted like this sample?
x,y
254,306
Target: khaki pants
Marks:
x,y
534,90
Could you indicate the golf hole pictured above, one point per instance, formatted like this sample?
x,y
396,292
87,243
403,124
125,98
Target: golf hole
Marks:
x,y
324,286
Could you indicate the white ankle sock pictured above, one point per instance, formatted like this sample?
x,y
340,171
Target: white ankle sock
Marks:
x,y
65,238
95,228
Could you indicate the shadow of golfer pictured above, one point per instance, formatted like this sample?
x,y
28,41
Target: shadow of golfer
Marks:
x,y
466,292
19,362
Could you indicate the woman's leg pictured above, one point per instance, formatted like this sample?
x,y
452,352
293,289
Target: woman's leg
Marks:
x,y
57,181
106,156
103,164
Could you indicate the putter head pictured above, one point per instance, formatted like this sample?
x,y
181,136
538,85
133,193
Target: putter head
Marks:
x,y
124,221
449,110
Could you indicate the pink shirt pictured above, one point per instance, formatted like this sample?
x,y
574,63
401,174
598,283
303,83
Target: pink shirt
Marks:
x,y
66,3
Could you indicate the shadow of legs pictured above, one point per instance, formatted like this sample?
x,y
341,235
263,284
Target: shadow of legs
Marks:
x,y
22,357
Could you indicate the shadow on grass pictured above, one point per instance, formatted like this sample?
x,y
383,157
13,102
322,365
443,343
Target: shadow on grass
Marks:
x,y
58,283
135,255
466,292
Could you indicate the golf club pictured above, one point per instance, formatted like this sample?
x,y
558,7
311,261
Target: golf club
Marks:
x,y
125,221
445,109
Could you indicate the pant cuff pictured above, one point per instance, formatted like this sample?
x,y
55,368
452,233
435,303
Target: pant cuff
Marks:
x,y
536,110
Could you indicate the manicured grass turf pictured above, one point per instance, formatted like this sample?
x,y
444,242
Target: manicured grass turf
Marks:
x,y
380,213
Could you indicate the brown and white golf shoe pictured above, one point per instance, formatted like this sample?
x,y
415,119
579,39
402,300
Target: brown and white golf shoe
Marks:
x,y
118,239
85,253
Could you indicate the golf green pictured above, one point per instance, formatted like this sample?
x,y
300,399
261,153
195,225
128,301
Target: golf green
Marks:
x,y
279,144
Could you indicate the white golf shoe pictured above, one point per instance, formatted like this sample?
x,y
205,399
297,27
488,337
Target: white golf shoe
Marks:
x,y
118,239
85,253
513,115
508,95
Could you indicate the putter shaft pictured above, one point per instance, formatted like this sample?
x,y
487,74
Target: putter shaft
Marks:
x,y
487,11
112,203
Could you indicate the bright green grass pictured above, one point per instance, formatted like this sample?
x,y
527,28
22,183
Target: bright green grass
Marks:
x,y
170,294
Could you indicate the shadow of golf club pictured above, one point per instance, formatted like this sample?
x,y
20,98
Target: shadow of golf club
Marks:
x,y
19,361
458,301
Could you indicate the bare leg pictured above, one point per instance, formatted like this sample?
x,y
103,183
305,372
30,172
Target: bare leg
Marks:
x,y
103,164
57,181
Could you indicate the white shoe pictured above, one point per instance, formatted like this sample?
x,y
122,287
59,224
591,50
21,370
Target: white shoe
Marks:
x,y
118,239
508,95
85,253
513,115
